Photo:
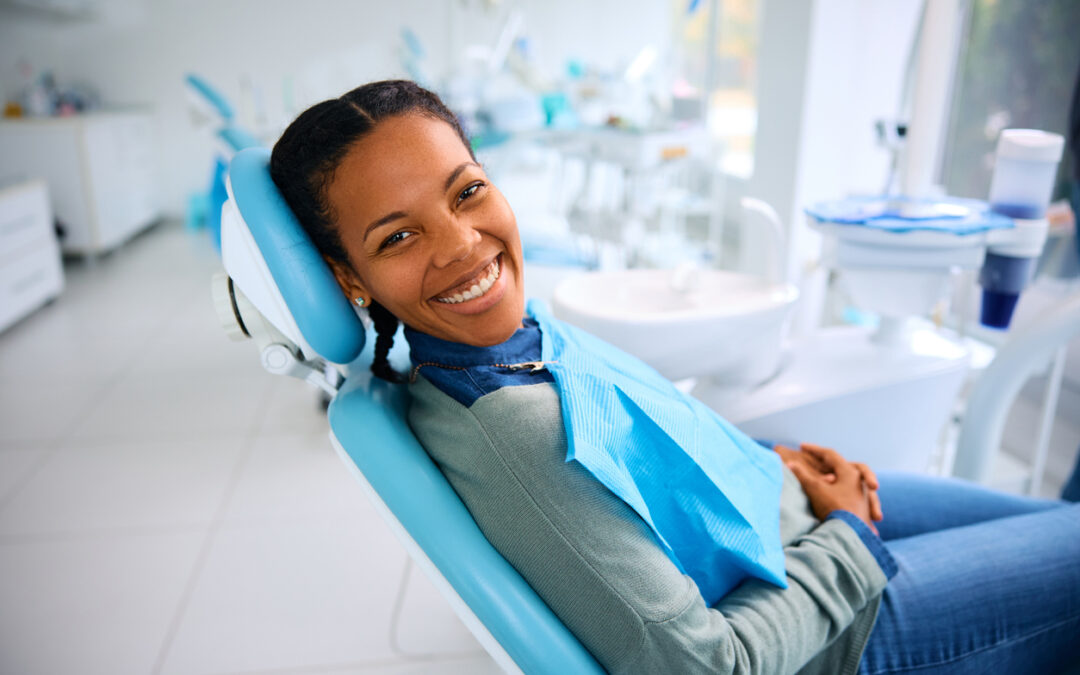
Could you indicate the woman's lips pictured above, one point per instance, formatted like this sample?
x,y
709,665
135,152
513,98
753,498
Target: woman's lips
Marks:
x,y
473,286
486,300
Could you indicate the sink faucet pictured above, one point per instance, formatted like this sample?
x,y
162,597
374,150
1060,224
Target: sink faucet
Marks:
x,y
777,272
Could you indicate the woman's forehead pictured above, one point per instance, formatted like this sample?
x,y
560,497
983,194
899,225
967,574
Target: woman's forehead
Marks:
x,y
401,157
409,142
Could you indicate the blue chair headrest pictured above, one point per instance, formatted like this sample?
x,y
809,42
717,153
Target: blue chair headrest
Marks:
x,y
324,316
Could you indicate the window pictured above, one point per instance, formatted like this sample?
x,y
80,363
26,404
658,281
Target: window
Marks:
x,y
1017,69
720,66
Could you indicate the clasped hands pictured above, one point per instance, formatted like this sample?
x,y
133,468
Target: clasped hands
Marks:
x,y
831,482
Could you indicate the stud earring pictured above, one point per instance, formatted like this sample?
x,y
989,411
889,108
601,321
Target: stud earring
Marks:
x,y
359,302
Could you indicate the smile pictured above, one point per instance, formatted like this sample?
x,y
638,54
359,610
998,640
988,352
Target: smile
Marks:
x,y
474,288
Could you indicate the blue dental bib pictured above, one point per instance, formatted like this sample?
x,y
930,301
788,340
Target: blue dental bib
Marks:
x,y
710,494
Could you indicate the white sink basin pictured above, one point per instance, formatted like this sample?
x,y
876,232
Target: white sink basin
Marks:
x,y
726,325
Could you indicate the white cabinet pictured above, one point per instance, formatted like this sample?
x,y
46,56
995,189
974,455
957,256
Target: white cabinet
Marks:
x,y
100,171
30,269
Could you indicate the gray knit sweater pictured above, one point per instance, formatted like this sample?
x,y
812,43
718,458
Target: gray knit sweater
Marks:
x,y
597,565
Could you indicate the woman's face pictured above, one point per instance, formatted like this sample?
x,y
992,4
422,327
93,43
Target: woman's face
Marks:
x,y
428,236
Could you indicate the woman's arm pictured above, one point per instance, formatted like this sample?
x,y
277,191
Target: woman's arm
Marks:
x,y
599,568
833,580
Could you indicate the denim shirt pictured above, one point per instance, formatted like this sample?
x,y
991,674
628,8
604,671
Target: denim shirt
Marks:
x,y
466,373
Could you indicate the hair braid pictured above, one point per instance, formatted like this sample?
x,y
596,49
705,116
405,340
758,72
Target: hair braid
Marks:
x,y
386,325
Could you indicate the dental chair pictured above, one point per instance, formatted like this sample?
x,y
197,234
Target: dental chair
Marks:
x,y
280,293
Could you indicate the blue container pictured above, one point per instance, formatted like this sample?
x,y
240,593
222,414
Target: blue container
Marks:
x,y
997,309
1002,277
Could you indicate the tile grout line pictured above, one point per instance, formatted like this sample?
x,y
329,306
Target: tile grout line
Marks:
x,y
365,665
112,532
53,447
211,533
110,385
46,454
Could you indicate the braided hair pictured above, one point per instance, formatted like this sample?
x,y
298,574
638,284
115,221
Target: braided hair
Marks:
x,y
306,156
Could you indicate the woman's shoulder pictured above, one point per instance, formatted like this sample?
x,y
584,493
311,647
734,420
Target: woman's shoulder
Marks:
x,y
511,417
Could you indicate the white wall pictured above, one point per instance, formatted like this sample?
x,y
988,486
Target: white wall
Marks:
x,y
287,54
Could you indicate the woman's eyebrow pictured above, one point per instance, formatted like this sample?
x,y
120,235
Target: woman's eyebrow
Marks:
x,y
388,218
457,172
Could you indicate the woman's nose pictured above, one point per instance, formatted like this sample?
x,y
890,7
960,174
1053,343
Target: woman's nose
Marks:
x,y
456,242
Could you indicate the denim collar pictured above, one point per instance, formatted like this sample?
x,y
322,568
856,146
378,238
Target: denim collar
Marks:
x,y
523,345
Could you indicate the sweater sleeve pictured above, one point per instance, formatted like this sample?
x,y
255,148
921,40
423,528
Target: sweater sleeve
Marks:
x,y
598,567
758,628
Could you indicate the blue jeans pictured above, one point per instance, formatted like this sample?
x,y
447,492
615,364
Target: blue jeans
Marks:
x,y
1071,491
988,582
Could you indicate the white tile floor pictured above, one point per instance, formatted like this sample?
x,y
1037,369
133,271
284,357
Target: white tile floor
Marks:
x,y
168,507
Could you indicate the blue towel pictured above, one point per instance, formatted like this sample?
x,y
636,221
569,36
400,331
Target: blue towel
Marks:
x,y
904,214
710,494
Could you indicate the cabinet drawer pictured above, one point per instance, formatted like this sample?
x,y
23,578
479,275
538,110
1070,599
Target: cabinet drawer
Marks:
x,y
28,280
25,216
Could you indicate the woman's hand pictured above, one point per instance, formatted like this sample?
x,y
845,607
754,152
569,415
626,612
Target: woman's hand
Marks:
x,y
806,458
831,482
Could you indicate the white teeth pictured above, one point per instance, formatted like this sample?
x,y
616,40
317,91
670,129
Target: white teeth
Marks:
x,y
477,289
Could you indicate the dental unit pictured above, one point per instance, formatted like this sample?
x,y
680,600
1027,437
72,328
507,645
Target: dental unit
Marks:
x,y
209,106
896,384
897,253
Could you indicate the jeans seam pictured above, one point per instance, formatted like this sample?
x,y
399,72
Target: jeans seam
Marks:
x,y
976,651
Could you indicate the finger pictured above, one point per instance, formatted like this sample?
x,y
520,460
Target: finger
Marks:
x,y
814,451
786,453
801,472
874,529
814,448
820,452
831,460
868,476
875,506
829,477
812,459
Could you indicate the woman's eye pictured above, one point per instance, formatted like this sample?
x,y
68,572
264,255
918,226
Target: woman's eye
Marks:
x,y
469,192
394,239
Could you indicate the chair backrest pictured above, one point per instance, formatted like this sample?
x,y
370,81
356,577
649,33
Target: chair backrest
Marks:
x,y
272,260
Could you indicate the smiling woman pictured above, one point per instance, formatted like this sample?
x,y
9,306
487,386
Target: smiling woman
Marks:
x,y
427,235
663,537
384,181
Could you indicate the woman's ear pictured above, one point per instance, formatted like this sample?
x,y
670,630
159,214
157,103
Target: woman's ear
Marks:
x,y
350,283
